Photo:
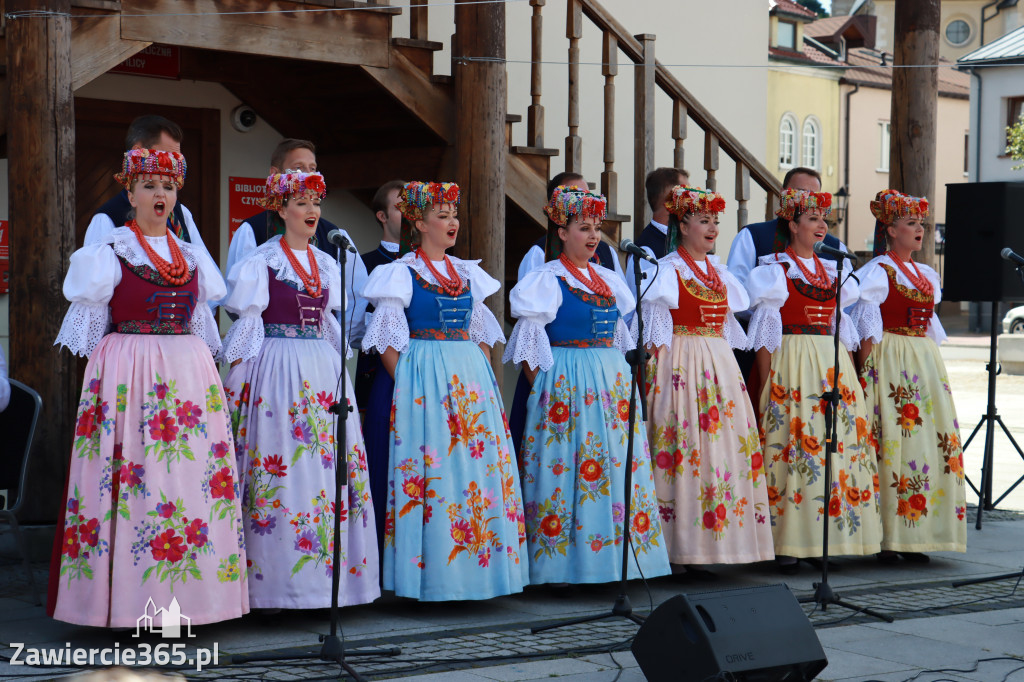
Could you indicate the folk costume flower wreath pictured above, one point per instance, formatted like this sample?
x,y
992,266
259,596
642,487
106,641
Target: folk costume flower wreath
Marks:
x,y
566,203
151,162
793,202
889,206
281,185
683,201
414,198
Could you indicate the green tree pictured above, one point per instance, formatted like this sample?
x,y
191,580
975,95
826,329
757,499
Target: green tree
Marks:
x,y
1015,142
814,5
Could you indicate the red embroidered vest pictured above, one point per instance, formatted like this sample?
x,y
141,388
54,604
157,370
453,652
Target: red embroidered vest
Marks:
x,y
701,311
808,309
905,311
143,303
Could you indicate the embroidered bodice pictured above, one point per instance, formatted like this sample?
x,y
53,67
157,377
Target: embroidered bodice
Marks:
x,y
433,314
143,303
584,320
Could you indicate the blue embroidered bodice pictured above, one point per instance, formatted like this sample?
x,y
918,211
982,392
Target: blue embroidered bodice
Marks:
x,y
583,320
433,314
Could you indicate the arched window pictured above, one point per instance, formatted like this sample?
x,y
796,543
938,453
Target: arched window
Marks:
x,y
787,141
811,147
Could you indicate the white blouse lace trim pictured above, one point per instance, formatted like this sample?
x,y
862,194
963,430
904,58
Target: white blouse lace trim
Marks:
x,y
663,297
874,286
535,301
250,296
768,293
389,289
94,273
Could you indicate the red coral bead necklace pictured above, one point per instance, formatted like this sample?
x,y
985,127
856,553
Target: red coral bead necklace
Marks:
x,y
592,280
712,280
311,279
452,284
916,278
819,277
175,272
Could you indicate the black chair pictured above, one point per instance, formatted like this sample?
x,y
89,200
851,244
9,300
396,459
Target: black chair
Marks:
x,y
17,428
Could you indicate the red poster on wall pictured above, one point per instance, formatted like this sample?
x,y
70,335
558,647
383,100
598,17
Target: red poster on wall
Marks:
x,y
242,196
5,258
156,61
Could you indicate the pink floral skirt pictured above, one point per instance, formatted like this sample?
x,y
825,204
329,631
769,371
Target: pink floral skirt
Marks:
x,y
152,509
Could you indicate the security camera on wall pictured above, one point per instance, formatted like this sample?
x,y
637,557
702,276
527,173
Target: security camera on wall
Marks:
x,y
243,118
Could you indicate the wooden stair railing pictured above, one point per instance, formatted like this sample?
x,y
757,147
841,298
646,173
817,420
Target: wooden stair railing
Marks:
x,y
650,76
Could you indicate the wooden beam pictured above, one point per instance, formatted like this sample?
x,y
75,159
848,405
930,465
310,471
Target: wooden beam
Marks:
x,y
525,188
643,131
41,196
276,28
371,169
915,97
414,91
481,101
97,47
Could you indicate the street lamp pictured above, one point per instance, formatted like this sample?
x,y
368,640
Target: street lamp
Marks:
x,y
841,197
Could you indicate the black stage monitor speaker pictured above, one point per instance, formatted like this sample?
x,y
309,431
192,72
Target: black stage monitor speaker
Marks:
x,y
750,634
981,219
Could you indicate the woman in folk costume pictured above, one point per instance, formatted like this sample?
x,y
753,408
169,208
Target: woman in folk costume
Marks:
x,y
286,294
708,467
570,340
455,516
913,420
152,505
793,318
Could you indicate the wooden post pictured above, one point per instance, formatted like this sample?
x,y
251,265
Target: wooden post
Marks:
x,y
573,142
643,131
711,159
609,178
418,27
41,195
679,113
535,112
742,194
480,149
915,96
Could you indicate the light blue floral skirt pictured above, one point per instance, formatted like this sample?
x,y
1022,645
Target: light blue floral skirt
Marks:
x,y
574,459
454,527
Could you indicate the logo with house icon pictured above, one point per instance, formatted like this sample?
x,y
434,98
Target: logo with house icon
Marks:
x,y
165,622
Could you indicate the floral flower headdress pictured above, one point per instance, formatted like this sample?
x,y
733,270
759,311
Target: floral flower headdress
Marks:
x,y
683,200
151,162
415,197
889,206
794,201
281,185
566,203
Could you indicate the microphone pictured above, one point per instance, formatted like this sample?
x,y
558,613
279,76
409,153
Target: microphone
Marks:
x,y
823,249
338,238
1010,255
629,247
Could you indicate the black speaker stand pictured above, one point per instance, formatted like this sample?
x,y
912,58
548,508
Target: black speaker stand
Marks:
x,y
989,420
824,596
637,359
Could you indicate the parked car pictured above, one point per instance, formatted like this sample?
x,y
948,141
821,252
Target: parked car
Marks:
x,y
1013,323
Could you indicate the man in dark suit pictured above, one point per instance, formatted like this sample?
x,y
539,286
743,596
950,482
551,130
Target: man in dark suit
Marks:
x,y
292,155
146,132
374,386
535,255
658,185
761,239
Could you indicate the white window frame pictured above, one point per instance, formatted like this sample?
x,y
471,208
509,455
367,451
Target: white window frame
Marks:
x,y
789,120
810,149
884,133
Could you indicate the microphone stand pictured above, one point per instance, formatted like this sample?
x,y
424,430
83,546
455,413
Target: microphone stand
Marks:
x,y
637,359
333,647
823,593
